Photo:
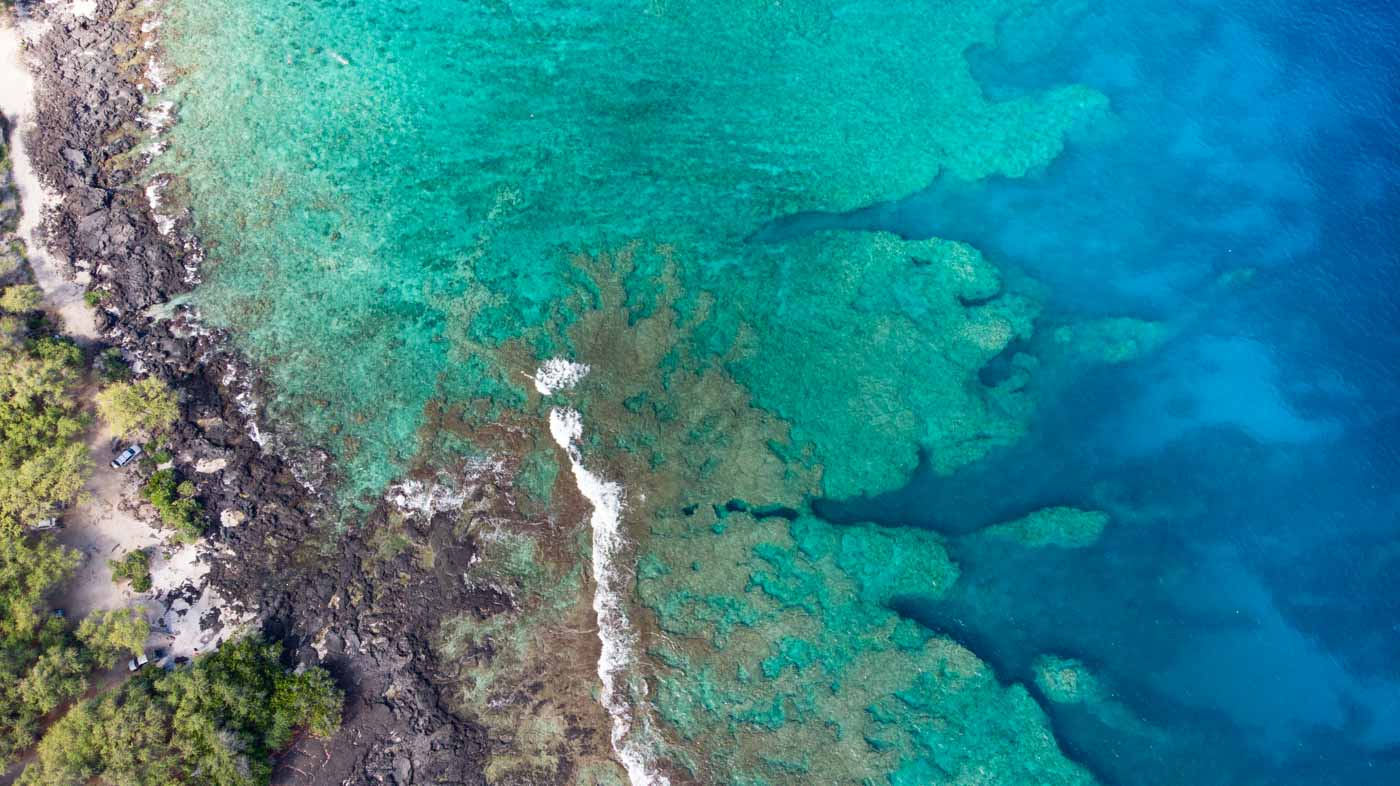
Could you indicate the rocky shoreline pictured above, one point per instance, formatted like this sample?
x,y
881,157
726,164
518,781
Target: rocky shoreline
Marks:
x,y
269,549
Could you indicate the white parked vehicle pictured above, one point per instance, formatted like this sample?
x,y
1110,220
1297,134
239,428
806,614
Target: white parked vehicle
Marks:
x,y
50,523
126,457
146,657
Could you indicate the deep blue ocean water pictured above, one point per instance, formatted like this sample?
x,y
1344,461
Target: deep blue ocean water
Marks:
x,y
1244,608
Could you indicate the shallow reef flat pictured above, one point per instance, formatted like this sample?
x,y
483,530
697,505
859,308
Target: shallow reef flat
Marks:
x,y
414,184
431,199
782,661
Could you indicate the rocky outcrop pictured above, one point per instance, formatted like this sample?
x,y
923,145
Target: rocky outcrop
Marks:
x,y
272,545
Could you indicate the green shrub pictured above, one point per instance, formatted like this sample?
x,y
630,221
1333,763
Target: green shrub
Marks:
x,y
94,297
20,298
43,461
220,721
59,350
112,367
113,634
134,567
41,664
180,512
160,488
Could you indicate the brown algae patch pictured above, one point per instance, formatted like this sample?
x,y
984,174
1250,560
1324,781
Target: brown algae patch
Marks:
x,y
773,651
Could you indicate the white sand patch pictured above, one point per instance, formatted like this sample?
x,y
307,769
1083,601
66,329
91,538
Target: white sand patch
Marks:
x,y
17,103
182,584
634,742
84,9
558,374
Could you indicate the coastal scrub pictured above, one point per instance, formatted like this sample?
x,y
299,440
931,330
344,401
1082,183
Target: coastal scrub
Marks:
x,y
218,721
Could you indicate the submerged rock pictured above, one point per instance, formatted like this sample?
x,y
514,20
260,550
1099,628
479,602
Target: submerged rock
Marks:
x,y
1065,680
1062,527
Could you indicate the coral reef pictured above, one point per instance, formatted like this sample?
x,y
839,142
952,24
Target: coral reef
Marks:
x,y
465,195
779,657
1065,680
1115,340
1066,528
679,123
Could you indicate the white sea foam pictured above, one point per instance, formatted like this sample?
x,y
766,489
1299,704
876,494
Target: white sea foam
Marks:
x,y
164,224
155,72
633,739
558,374
416,496
246,401
157,119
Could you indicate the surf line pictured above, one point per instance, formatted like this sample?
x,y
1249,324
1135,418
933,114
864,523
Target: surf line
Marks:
x,y
633,739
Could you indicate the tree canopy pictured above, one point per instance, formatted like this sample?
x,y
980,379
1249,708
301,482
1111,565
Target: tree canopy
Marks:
x,y
43,462
113,634
43,664
134,567
20,298
147,406
218,722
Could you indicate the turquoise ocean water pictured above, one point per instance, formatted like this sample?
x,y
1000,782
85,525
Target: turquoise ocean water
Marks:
x,y
1003,392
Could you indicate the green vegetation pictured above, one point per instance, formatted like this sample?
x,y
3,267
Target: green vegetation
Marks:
x,y
43,664
175,502
20,298
218,722
94,297
111,367
9,262
146,406
43,462
113,634
134,567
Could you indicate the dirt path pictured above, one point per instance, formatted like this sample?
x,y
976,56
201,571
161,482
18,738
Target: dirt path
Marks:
x,y
61,296
101,529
